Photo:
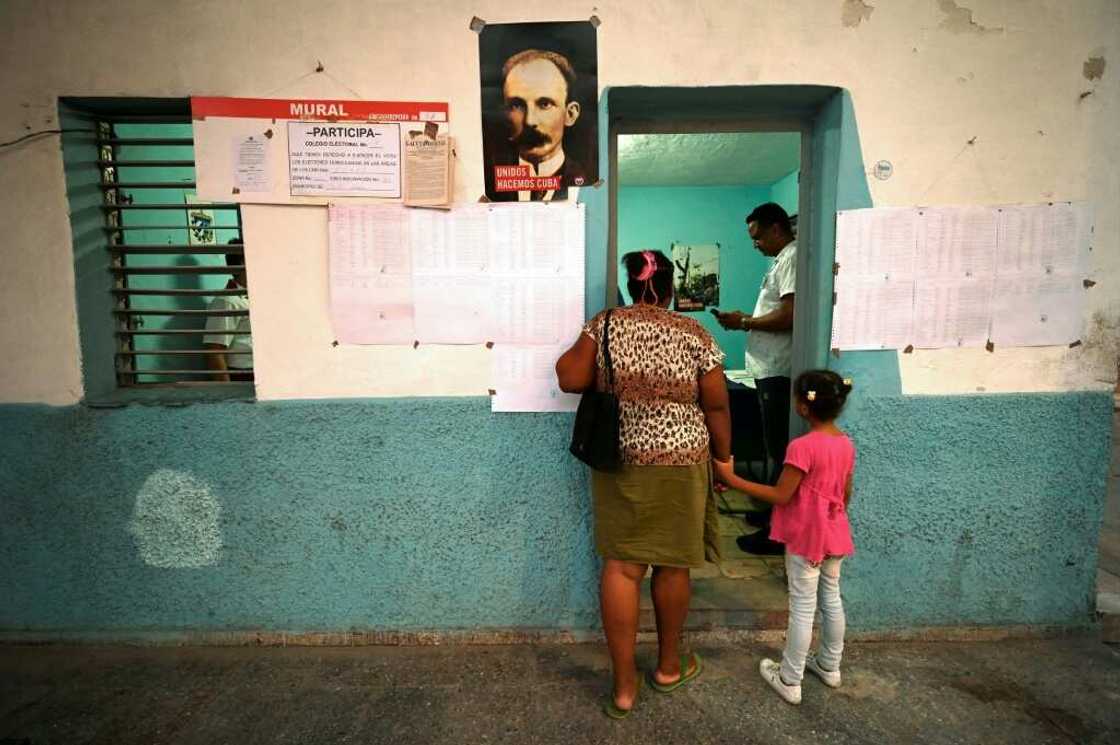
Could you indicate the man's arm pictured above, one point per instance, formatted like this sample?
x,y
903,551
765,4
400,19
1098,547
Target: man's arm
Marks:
x,y
217,362
776,320
732,320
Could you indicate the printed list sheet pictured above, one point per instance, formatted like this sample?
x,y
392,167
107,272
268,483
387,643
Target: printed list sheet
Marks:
x,y
511,277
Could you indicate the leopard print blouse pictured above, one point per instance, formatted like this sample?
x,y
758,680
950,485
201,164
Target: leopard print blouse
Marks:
x,y
658,357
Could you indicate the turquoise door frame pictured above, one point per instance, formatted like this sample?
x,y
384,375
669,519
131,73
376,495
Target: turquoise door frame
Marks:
x,y
833,178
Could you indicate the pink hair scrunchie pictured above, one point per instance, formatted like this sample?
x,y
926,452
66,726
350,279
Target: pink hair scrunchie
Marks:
x,y
650,268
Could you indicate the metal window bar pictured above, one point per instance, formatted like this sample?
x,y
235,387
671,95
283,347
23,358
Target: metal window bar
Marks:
x,y
129,205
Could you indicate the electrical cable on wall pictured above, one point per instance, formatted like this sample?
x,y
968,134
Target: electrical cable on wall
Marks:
x,y
40,133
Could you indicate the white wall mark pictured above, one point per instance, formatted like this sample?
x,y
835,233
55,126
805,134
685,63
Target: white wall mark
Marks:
x,y
175,521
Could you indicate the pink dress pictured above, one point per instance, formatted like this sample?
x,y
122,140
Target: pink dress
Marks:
x,y
814,523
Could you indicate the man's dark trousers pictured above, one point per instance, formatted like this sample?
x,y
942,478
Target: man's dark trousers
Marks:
x,y
774,401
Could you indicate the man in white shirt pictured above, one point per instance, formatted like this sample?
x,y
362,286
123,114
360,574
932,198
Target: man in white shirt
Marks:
x,y
537,95
770,344
230,337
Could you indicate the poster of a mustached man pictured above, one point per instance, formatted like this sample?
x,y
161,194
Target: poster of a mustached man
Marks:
x,y
539,109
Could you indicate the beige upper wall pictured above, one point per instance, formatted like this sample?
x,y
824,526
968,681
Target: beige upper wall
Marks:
x,y
925,81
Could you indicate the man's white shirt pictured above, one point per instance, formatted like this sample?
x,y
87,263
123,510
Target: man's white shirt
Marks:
x,y
769,353
232,332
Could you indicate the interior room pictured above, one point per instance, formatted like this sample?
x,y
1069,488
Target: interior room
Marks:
x,y
688,194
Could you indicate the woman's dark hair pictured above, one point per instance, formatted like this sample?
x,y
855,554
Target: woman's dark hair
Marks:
x,y
658,287
823,391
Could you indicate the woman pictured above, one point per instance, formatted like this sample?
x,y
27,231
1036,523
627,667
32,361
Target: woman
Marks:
x,y
658,509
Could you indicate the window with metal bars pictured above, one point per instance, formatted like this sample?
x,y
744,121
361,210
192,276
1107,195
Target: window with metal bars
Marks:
x,y
174,265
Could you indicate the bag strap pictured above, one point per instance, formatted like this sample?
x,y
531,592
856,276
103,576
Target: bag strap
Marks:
x,y
607,350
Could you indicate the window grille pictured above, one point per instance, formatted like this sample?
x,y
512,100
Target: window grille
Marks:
x,y
167,255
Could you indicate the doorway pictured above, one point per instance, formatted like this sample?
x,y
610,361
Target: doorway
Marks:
x,y
685,189
745,592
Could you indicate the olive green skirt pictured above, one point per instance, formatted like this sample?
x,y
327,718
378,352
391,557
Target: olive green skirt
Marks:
x,y
660,515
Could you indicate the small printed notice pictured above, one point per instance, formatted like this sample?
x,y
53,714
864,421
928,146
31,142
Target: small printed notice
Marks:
x,y
427,170
250,164
345,159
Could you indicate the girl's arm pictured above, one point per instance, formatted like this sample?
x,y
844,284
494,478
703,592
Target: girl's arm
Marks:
x,y
848,491
779,494
575,370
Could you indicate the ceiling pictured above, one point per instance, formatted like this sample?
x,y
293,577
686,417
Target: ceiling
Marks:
x,y
707,159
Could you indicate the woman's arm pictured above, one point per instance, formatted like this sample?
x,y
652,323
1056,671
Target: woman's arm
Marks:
x,y
779,494
717,413
576,368
848,491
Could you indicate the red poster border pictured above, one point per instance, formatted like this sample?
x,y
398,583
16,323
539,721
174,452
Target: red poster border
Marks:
x,y
330,110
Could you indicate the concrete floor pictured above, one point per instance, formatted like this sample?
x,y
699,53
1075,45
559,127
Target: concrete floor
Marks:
x,y
740,591
1017,692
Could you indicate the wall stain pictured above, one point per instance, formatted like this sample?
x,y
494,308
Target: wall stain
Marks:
x,y
1093,69
958,19
1099,354
855,12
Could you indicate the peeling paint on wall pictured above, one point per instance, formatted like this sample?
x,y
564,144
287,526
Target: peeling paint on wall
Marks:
x,y
1099,352
959,20
855,12
1093,69
175,521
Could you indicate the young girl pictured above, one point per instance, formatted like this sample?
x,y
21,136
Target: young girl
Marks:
x,y
811,519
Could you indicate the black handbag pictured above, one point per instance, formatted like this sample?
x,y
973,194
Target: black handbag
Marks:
x,y
595,436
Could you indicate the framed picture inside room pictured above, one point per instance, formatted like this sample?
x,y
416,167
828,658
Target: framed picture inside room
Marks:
x,y
696,276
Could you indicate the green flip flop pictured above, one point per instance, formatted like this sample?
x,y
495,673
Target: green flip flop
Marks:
x,y
685,677
612,710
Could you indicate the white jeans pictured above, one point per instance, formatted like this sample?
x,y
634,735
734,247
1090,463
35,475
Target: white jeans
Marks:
x,y
807,583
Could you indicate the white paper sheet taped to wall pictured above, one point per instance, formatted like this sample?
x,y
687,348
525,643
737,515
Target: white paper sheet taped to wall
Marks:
x,y
937,277
525,379
508,274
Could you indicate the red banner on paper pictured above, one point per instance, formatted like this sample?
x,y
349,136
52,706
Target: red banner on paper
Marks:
x,y
314,110
521,178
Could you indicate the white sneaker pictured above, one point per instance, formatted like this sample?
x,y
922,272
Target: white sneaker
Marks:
x,y
830,678
772,673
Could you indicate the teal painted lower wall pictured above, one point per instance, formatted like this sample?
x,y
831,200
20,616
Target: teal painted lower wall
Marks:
x,y
437,514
